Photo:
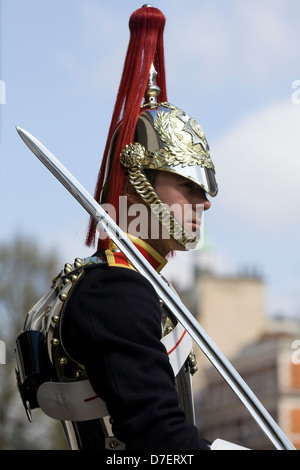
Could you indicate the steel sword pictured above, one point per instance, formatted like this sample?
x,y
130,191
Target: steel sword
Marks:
x,y
215,356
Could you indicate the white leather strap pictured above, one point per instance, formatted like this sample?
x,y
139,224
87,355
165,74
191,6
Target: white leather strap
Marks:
x,y
77,401
70,401
178,344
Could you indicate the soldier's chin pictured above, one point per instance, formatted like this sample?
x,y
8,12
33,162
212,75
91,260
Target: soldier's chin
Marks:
x,y
194,241
189,240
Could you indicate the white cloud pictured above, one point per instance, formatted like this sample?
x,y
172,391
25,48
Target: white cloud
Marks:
x,y
258,166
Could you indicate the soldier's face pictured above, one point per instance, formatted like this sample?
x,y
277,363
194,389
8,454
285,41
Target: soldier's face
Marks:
x,y
184,197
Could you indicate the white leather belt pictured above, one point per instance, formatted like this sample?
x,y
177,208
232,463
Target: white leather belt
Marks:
x,y
77,401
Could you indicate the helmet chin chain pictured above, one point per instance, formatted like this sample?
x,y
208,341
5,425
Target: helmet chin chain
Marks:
x,y
146,191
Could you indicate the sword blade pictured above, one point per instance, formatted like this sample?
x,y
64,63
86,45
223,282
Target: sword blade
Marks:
x,y
215,356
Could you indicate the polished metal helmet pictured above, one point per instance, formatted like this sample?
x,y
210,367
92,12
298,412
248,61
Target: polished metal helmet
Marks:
x,y
167,139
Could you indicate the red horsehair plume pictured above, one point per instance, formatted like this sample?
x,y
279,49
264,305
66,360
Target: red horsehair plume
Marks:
x,y
145,48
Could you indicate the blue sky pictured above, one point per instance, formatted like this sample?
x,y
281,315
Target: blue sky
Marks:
x,y
231,65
